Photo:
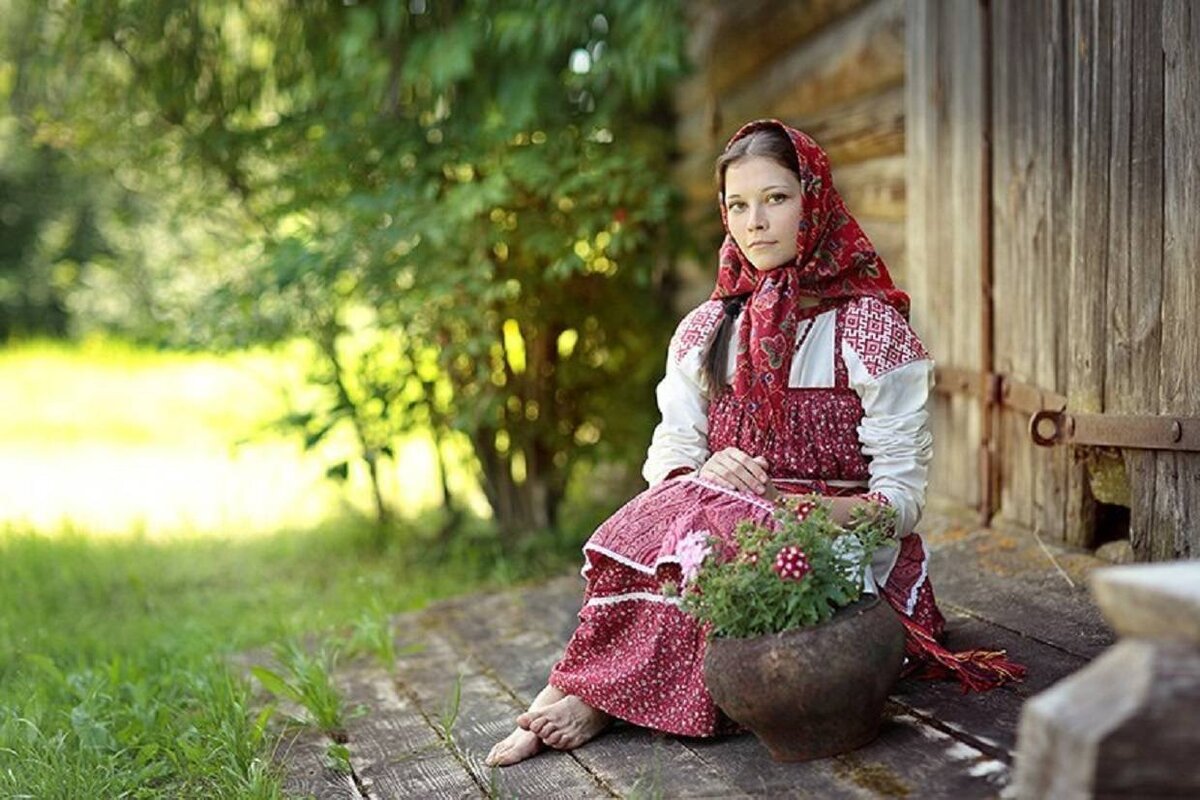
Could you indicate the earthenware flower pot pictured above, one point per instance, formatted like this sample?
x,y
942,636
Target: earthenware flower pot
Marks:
x,y
811,692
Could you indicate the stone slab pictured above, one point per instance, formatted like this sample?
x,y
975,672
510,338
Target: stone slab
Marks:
x,y
1154,601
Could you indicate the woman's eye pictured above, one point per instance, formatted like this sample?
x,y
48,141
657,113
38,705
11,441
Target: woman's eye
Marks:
x,y
777,198
736,205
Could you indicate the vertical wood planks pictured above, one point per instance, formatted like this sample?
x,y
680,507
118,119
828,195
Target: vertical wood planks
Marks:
x,y
1090,235
1057,464
1177,485
963,202
1030,176
1136,274
1096,239
944,138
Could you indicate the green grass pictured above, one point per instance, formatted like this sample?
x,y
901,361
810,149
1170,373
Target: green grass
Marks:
x,y
113,679
141,546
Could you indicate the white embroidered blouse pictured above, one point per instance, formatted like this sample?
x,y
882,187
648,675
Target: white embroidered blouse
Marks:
x,y
888,368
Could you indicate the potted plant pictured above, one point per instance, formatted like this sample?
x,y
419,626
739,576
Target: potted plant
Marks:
x,y
797,652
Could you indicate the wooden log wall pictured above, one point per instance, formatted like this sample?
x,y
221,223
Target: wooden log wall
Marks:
x,y
1166,519
1094,223
833,68
1032,228
946,194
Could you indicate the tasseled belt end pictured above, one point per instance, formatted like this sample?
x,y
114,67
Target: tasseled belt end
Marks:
x,y
976,670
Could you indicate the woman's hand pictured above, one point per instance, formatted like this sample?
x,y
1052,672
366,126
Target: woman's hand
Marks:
x,y
736,470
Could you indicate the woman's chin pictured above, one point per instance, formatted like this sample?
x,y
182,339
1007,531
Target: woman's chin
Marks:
x,y
767,266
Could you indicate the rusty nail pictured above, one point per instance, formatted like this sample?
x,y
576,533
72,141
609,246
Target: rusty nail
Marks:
x,y
1176,430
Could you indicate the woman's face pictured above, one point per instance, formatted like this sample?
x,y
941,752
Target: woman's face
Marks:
x,y
763,207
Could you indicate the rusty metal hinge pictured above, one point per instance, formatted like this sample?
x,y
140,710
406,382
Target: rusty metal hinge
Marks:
x,y
997,388
1049,428
1051,424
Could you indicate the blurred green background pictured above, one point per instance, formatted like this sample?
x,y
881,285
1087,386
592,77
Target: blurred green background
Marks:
x,y
311,312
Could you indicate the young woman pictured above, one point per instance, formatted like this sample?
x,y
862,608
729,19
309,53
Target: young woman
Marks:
x,y
799,375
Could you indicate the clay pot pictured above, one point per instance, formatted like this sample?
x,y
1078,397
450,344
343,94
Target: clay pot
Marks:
x,y
811,692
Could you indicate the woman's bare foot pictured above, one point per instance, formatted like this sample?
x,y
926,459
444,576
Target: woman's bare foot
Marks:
x,y
565,724
522,744
517,746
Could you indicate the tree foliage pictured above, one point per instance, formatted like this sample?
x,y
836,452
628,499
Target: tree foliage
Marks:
x,y
462,205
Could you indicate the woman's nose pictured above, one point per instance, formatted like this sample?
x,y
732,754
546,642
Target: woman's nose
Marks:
x,y
758,219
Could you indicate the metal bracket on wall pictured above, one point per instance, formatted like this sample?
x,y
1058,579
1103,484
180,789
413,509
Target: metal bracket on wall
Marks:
x,y
997,389
1049,428
1050,423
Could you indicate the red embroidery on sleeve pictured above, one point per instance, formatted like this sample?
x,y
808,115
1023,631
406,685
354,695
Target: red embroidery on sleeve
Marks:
x,y
881,337
696,328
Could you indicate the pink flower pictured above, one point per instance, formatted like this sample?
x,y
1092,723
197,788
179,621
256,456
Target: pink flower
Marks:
x,y
791,564
692,550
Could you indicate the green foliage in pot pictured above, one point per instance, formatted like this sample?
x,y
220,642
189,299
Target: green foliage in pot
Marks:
x,y
772,580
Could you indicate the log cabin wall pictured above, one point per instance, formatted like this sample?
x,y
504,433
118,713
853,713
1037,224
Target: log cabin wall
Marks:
x,y
1030,170
1082,203
833,68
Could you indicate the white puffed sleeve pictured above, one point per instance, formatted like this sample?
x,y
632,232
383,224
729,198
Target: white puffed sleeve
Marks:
x,y
894,433
681,438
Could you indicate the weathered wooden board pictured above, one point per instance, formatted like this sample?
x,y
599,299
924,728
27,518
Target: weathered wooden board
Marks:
x,y
909,759
944,196
860,54
862,129
1030,171
1091,212
997,587
300,755
731,42
394,750
486,714
1133,385
1177,485
509,636
957,734
1005,577
874,188
988,720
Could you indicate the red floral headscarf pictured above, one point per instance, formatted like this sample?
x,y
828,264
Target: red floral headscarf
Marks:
x,y
835,262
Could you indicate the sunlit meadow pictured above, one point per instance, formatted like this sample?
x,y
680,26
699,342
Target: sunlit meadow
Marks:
x,y
154,523
108,439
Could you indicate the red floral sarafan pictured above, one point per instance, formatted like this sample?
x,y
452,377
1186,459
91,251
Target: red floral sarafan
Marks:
x,y
835,263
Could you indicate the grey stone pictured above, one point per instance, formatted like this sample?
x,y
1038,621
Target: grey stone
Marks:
x,y
1153,601
1118,552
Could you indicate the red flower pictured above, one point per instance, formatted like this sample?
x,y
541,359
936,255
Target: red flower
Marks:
x,y
791,564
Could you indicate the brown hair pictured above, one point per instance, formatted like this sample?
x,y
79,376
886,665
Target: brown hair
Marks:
x,y
775,145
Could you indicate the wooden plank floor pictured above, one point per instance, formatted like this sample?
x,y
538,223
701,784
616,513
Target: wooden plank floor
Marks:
x,y
998,589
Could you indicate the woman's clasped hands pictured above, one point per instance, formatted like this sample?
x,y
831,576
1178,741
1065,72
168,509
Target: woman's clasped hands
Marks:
x,y
734,469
